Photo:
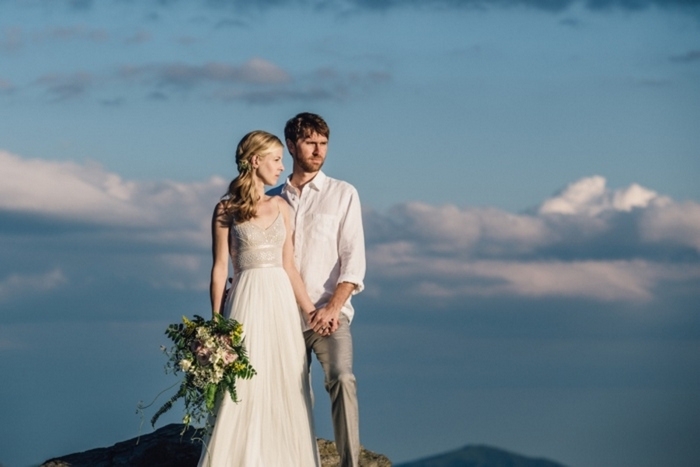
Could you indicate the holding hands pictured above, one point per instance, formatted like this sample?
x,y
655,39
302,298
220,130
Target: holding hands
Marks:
x,y
324,321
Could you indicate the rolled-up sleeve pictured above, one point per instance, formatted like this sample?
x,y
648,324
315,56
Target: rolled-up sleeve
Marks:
x,y
351,243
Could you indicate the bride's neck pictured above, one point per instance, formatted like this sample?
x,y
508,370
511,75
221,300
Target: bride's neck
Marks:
x,y
259,188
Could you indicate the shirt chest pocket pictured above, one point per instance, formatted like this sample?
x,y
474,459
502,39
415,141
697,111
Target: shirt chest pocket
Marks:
x,y
323,226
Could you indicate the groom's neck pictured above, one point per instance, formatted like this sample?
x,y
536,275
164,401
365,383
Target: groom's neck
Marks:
x,y
300,178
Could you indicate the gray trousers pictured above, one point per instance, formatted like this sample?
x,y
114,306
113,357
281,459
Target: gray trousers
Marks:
x,y
334,353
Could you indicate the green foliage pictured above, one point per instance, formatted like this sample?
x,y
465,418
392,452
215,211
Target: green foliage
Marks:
x,y
211,356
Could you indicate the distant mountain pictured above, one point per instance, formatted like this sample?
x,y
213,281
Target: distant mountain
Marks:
x,y
480,456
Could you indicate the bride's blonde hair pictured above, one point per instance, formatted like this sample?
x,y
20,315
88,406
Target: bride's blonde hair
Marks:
x,y
240,201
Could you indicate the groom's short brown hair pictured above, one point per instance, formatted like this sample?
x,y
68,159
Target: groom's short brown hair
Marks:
x,y
304,125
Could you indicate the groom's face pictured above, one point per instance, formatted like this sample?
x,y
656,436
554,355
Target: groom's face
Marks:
x,y
309,153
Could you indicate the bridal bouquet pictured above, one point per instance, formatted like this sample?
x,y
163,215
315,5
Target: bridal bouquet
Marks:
x,y
211,356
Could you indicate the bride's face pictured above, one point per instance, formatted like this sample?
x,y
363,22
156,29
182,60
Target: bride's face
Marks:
x,y
270,166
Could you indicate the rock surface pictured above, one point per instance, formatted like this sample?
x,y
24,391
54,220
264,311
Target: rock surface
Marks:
x,y
166,448
330,458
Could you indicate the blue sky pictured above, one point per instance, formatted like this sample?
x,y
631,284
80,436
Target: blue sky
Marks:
x,y
528,172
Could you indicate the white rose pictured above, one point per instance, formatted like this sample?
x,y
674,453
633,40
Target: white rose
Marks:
x,y
185,364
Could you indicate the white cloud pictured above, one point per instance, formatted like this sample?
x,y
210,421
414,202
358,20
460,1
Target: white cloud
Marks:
x,y
590,196
454,279
634,196
256,81
154,233
674,222
459,231
65,189
89,194
19,284
589,241
258,70
254,71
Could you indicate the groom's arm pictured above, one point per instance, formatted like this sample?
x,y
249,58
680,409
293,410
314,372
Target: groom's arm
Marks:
x,y
351,244
328,316
351,255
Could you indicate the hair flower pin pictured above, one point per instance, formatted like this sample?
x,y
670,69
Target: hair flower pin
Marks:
x,y
243,166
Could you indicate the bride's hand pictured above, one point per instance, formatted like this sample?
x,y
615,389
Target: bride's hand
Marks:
x,y
324,321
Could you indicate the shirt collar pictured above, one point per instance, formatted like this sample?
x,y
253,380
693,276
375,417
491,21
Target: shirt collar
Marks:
x,y
317,183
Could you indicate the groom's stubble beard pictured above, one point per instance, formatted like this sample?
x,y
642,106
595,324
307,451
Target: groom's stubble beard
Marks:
x,y
309,166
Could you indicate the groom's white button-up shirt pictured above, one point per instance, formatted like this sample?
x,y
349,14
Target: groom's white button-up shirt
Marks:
x,y
329,243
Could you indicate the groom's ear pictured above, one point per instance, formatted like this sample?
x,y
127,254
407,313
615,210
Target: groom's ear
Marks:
x,y
290,146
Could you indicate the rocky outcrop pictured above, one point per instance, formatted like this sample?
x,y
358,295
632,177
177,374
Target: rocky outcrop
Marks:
x,y
330,458
162,448
166,447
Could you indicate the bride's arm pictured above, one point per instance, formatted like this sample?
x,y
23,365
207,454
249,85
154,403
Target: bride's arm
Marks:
x,y
220,253
298,286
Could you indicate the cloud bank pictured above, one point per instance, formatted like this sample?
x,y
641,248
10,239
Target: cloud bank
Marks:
x,y
594,288
255,81
588,241
381,5
88,194
181,75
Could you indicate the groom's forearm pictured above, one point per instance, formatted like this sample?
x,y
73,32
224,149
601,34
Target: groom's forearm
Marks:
x,y
340,295
325,319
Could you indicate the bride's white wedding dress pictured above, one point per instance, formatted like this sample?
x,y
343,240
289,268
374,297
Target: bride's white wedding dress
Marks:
x,y
272,425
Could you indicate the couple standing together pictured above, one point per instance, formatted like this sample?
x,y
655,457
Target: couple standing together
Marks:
x,y
298,256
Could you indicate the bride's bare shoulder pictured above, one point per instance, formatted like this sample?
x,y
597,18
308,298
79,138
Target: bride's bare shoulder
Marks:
x,y
281,203
221,215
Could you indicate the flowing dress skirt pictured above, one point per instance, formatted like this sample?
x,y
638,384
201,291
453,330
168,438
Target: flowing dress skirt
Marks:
x,y
272,424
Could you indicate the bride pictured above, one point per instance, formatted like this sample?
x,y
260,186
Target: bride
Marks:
x,y
272,424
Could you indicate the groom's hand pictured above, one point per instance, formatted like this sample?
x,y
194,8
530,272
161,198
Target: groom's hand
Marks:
x,y
324,320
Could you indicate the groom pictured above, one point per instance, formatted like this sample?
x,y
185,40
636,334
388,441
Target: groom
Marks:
x,y
329,252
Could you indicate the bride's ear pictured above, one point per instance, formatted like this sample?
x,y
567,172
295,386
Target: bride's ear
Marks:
x,y
255,162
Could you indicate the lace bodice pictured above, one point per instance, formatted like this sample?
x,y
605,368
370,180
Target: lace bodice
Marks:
x,y
255,247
